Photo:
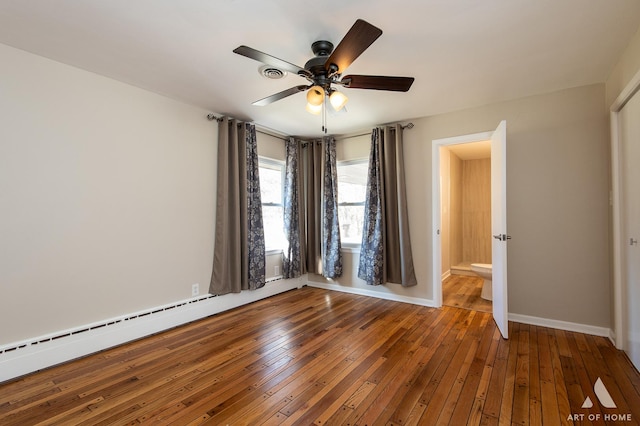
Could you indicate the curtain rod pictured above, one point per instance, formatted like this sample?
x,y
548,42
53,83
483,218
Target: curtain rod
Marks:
x,y
407,126
212,117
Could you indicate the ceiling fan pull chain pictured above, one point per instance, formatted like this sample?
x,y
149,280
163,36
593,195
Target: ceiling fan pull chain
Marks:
x,y
324,115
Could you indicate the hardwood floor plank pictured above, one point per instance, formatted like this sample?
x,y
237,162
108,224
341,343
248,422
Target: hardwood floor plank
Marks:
x,y
313,356
441,338
559,380
472,396
442,384
549,401
506,407
521,394
493,399
391,370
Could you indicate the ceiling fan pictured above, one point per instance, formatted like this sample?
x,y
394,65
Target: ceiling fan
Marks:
x,y
324,71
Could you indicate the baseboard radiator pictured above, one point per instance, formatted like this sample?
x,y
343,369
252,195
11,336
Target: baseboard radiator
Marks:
x,y
24,357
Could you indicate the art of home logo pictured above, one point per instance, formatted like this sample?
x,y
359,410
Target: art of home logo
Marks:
x,y
604,398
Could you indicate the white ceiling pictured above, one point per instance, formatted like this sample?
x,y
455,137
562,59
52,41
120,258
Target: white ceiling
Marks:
x,y
463,53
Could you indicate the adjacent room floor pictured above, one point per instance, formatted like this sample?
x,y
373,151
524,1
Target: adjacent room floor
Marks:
x,y
463,291
312,356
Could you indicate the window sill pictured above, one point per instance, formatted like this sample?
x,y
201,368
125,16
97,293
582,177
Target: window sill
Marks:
x,y
351,248
273,251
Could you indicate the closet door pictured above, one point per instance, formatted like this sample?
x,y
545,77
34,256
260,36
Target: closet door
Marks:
x,y
630,197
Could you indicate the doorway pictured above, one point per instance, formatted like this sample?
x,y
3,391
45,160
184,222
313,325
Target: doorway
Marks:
x,y
498,236
465,213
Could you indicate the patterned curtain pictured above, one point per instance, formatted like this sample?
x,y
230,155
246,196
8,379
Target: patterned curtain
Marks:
x,y
331,247
371,265
293,265
255,228
385,254
239,252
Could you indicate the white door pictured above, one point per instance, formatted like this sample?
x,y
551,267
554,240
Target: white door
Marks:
x,y
630,196
499,226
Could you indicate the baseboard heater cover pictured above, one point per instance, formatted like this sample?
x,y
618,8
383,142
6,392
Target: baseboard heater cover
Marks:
x,y
24,357
73,332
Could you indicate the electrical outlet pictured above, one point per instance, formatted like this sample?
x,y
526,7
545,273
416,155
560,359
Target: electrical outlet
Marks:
x,y
195,289
276,270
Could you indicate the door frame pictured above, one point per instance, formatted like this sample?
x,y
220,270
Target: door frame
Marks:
x,y
436,144
618,239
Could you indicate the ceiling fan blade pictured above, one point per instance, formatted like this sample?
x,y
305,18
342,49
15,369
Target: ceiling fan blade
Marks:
x,y
361,35
377,82
280,95
269,60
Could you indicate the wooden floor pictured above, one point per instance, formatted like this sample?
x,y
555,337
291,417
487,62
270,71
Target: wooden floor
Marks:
x,y
462,291
312,356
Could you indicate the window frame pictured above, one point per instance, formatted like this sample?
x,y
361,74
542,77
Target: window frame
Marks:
x,y
273,164
352,247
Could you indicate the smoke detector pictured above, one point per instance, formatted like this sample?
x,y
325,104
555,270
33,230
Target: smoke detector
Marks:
x,y
272,73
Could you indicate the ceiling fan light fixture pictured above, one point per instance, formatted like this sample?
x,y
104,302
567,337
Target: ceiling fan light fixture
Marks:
x,y
314,109
315,95
338,100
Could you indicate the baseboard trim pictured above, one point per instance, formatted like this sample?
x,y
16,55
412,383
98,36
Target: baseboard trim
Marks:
x,y
561,325
524,319
380,295
19,359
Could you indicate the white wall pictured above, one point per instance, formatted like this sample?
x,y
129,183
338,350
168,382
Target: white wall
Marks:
x,y
106,197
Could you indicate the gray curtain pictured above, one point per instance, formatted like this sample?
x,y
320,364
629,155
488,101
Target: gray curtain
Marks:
x,y
331,246
312,196
385,254
293,264
239,252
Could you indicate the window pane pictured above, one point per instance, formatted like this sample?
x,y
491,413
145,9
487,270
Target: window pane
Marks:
x,y
271,185
271,192
351,220
272,217
352,182
352,186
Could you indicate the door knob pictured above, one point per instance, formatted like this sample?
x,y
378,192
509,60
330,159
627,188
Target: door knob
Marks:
x,y
502,237
633,241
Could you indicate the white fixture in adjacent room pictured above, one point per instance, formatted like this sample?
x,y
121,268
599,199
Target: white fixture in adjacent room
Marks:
x,y
484,270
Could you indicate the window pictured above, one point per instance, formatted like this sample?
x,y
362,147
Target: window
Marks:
x,y
352,186
271,192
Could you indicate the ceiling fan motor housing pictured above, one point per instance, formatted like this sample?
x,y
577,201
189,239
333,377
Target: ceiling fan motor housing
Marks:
x,y
316,65
322,48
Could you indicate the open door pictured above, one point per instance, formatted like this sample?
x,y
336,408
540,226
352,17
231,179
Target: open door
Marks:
x,y
629,126
499,226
